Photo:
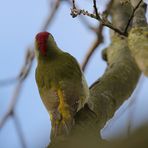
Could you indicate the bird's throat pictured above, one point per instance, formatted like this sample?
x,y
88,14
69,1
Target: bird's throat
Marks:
x,y
47,53
43,49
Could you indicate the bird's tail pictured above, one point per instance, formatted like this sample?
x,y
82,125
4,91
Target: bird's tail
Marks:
x,y
61,127
63,117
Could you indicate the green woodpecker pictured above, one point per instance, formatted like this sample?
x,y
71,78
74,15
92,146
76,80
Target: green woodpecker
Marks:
x,y
61,83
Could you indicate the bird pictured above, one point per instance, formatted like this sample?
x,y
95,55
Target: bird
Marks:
x,y
61,83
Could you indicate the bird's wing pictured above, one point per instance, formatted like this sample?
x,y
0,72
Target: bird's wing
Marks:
x,y
77,82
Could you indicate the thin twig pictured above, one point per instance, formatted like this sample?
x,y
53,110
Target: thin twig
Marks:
x,y
111,26
131,17
19,130
73,4
24,73
51,16
98,40
94,46
8,81
96,10
11,105
75,12
82,19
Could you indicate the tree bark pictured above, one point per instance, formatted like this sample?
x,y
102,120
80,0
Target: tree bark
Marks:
x,y
138,38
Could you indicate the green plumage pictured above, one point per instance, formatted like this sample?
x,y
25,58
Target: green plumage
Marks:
x,y
61,85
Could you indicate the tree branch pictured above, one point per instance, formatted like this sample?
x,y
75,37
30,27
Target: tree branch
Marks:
x,y
132,15
52,15
73,4
23,74
82,19
19,130
93,47
75,12
138,38
98,40
96,10
8,81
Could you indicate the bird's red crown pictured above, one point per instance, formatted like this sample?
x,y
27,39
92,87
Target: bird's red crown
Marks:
x,y
41,39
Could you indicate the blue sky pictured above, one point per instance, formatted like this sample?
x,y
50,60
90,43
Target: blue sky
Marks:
x,y
20,21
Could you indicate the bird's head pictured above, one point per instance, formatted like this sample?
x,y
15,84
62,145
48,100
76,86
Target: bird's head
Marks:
x,y
44,41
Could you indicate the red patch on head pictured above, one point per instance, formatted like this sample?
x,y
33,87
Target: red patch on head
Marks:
x,y
41,39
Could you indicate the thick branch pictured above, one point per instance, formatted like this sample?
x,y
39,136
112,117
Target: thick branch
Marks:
x,y
138,39
121,14
132,15
138,44
139,18
114,87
